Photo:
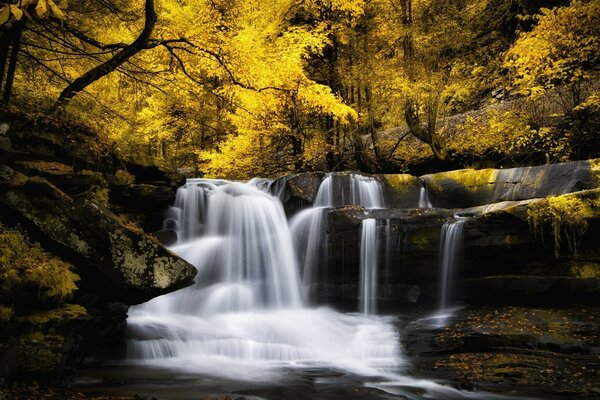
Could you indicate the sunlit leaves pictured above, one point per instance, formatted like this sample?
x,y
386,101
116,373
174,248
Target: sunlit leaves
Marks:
x,y
562,48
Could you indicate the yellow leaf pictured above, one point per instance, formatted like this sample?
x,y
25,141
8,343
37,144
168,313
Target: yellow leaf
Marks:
x,y
41,9
4,15
17,12
55,10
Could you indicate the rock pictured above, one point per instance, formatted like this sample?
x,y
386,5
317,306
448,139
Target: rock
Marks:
x,y
297,191
401,190
537,352
73,183
532,290
132,266
166,236
468,188
147,203
499,240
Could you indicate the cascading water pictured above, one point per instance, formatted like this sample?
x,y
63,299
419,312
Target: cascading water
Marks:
x,y
424,201
309,225
339,190
369,264
245,317
451,246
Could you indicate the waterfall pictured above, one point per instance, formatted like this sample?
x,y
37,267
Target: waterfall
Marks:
x,y
309,225
424,201
339,190
244,318
308,231
369,265
451,247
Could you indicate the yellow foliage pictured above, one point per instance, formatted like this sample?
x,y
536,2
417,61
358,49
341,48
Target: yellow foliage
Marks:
x,y
567,215
24,264
55,316
560,49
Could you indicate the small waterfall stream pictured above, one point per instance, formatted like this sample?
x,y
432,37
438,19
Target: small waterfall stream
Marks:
x,y
424,201
308,226
451,246
368,267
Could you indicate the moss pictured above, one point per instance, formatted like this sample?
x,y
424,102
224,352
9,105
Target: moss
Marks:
x,y
401,182
595,169
124,177
567,215
424,238
100,196
6,313
471,179
56,316
48,167
40,353
25,264
585,270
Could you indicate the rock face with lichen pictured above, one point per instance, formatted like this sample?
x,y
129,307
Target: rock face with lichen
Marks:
x,y
526,250
84,206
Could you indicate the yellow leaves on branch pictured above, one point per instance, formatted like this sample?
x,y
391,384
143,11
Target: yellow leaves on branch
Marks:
x,y
43,9
559,49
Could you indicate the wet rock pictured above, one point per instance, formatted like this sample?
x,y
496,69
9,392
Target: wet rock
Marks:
x,y
468,188
166,236
133,266
532,290
298,191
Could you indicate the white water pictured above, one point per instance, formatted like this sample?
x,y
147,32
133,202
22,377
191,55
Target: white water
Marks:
x,y
424,201
245,317
369,264
451,246
309,225
338,190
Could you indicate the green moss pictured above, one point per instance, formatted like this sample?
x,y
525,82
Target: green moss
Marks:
x,y
100,196
595,169
585,270
48,167
471,179
124,177
6,313
400,182
56,316
566,215
424,238
24,264
39,353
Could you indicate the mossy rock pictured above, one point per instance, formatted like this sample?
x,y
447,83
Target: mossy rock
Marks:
x,y
39,353
469,188
401,190
566,217
55,317
132,266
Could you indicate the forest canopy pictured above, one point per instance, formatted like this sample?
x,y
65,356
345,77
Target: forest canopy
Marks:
x,y
235,89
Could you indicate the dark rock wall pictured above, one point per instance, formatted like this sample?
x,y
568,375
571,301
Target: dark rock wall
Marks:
x,y
84,204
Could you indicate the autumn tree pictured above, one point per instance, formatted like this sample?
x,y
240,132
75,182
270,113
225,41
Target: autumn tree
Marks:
x,y
562,49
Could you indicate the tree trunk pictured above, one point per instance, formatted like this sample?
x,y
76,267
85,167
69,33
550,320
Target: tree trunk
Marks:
x,y
12,40
112,64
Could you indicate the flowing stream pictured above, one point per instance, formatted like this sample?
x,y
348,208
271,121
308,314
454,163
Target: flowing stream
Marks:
x,y
245,317
248,319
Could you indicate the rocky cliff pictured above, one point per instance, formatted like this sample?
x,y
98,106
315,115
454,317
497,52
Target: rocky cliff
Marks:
x,y
74,211
530,236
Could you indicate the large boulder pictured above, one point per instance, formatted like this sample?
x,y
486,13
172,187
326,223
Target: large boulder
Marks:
x,y
468,187
132,266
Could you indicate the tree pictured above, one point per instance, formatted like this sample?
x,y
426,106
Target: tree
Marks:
x,y
562,49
